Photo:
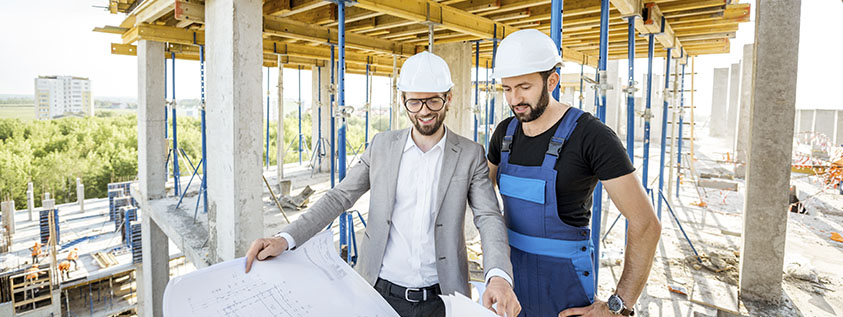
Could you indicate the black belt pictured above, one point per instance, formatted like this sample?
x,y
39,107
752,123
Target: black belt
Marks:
x,y
410,294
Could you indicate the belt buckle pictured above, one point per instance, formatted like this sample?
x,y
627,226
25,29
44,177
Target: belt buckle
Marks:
x,y
407,295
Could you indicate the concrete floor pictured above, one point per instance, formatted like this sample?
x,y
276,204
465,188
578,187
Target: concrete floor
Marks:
x,y
715,233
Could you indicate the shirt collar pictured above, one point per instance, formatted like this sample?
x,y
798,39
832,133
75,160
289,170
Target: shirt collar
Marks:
x,y
411,144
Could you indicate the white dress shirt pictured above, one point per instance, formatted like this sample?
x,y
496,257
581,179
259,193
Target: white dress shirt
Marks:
x,y
410,256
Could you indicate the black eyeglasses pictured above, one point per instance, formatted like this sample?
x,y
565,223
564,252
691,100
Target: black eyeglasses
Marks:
x,y
433,103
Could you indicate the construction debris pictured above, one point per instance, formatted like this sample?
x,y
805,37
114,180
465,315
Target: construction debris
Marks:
x,y
715,294
836,237
299,201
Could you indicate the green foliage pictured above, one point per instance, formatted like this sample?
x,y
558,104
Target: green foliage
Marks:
x,y
103,149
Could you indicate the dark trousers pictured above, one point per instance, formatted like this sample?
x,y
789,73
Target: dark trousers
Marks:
x,y
432,307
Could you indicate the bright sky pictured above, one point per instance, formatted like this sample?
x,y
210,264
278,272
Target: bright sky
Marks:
x,y
54,37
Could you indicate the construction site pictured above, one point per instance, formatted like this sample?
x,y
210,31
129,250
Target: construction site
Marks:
x,y
749,194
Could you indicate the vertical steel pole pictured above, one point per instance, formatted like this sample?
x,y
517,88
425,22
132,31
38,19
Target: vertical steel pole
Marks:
x,y
647,113
476,85
176,182
299,103
582,93
556,34
664,131
630,102
366,140
318,142
597,204
344,240
333,96
204,188
267,118
341,92
491,114
681,122
486,111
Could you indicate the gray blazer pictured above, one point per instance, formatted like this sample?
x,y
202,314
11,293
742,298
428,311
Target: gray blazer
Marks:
x,y
464,179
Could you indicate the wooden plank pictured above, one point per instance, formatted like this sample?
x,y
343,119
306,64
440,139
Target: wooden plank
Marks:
x,y
716,294
272,7
190,11
152,10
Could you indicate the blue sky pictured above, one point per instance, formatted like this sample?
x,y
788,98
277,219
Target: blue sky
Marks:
x,y
54,38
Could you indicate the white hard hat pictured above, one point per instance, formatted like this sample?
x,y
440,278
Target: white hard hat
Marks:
x,y
525,52
425,72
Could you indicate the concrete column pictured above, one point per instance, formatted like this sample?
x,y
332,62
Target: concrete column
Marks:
x,y
568,96
770,144
824,122
613,104
719,103
459,118
152,146
80,194
838,128
325,105
233,36
8,213
395,107
156,267
734,103
280,145
806,120
30,200
588,102
746,100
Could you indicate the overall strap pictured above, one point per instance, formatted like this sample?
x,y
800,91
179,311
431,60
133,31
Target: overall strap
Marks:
x,y
563,133
506,145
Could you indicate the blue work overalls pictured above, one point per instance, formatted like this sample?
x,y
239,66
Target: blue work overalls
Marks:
x,y
551,260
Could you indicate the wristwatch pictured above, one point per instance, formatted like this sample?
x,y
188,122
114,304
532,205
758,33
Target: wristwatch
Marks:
x,y
618,307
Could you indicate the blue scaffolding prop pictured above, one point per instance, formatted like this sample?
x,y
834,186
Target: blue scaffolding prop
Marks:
x,y
486,111
267,118
582,94
333,96
647,111
175,153
681,122
476,87
203,188
556,36
368,106
490,116
630,105
597,202
664,129
299,104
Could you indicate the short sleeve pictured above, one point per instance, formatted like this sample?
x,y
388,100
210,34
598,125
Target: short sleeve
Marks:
x,y
604,151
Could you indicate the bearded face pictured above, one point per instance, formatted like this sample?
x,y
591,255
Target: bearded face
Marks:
x,y
426,110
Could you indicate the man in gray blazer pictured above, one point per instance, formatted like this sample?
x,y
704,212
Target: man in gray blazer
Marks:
x,y
420,180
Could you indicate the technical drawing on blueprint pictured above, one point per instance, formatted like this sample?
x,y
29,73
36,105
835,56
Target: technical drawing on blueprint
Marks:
x,y
309,281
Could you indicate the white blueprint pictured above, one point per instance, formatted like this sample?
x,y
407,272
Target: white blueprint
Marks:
x,y
309,281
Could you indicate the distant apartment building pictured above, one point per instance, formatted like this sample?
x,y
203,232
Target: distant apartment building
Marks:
x,y
59,96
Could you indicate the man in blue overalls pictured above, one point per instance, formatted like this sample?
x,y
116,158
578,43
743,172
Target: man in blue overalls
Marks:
x,y
546,165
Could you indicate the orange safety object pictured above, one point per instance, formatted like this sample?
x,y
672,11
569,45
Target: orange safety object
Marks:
x,y
64,266
33,273
74,254
36,249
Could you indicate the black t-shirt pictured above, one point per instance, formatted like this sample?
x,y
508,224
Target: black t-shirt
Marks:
x,y
593,152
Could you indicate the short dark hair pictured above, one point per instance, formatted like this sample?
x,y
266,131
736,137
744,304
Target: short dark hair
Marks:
x,y
546,74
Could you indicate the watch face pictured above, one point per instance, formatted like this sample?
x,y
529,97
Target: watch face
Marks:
x,y
615,304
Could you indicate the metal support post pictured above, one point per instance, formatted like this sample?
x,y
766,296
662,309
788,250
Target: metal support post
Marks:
x,y
597,204
176,180
556,34
476,109
647,112
267,118
331,114
681,122
491,114
299,103
582,73
368,106
664,130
